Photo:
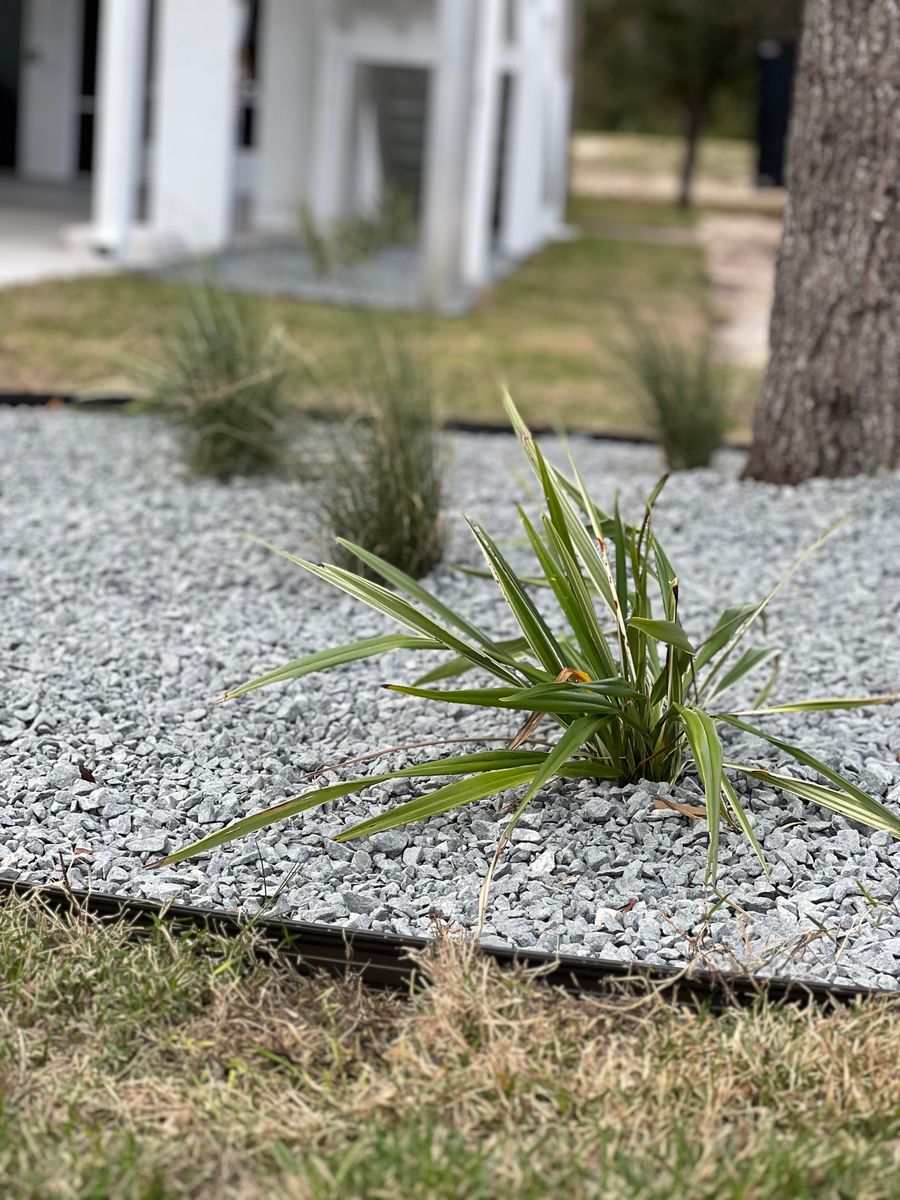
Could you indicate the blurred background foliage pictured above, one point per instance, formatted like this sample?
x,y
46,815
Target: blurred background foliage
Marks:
x,y
647,63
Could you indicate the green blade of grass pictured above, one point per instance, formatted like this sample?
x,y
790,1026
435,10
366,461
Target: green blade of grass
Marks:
x,y
575,604
594,633
723,630
666,578
570,743
562,698
460,764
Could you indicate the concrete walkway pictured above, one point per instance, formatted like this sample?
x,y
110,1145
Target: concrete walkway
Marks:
x,y
740,255
32,245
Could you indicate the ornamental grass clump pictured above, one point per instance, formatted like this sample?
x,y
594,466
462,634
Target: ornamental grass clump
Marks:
x,y
684,393
223,378
631,696
384,485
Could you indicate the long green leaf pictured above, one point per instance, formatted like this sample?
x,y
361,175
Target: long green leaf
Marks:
x,y
755,657
801,756
581,618
594,632
572,740
561,698
745,626
452,795
414,589
706,748
391,605
460,764
722,632
818,704
459,666
736,808
871,813
664,631
324,660
530,621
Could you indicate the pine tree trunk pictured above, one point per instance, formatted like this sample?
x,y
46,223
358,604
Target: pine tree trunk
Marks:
x,y
831,400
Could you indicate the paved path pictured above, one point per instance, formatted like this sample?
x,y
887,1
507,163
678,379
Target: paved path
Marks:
x,y
32,219
740,263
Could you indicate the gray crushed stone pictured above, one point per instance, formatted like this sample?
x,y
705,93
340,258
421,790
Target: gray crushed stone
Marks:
x,y
131,600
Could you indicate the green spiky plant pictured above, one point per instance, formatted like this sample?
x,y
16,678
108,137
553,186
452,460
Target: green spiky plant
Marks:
x,y
632,696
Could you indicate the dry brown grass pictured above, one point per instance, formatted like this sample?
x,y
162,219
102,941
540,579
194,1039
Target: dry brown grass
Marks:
x,y
164,1068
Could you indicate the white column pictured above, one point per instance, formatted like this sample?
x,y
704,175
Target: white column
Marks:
x,y
329,186
194,148
48,110
446,146
521,224
558,115
368,171
288,57
484,123
119,122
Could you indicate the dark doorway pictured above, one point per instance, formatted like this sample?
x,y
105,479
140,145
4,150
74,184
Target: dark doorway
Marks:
x,y
10,35
88,87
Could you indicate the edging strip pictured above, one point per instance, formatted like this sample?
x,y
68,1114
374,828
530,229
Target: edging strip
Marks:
x,y
42,399
384,960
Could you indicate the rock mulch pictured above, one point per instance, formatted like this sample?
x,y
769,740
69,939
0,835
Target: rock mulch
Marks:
x,y
131,600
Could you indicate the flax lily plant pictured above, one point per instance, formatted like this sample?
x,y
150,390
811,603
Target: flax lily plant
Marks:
x,y
631,696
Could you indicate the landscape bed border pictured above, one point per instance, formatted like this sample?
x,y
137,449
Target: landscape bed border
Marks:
x,y
383,960
43,399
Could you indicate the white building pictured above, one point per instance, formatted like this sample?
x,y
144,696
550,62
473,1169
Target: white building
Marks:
x,y
200,119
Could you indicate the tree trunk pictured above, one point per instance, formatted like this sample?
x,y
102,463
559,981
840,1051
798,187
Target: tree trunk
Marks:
x,y
831,400
693,129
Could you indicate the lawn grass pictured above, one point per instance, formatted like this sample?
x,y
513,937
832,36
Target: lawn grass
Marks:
x,y
720,160
166,1068
595,214
550,331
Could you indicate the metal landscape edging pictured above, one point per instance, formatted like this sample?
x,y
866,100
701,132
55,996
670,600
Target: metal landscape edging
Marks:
x,y
383,960
43,399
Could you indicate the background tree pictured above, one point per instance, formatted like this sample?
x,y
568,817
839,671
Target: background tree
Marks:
x,y
682,66
831,400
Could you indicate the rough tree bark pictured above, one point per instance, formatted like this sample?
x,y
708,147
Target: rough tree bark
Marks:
x,y
831,400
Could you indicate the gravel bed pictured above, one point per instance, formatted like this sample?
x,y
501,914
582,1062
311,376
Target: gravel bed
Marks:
x,y
131,600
